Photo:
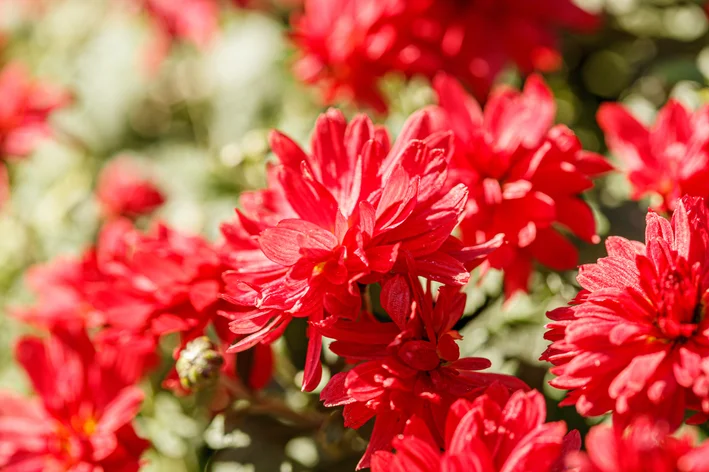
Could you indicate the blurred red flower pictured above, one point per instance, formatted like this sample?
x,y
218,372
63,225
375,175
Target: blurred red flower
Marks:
x,y
146,283
61,288
494,432
644,446
82,418
124,190
24,112
525,177
635,341
412,367
25,109
195,21
351,212
269,4
669,159
348,46
192,21
157,283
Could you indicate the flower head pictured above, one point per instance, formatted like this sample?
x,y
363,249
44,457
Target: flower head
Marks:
x,y
123,190
412,367
156,283
636,339
82,418
348,214
525,177
643,446
61,287
24,111
494,432
191,20
135,287
348,46
269,4
195,22
669,159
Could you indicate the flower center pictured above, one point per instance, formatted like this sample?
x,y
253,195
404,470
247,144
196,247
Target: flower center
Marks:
x,y
319,268
421,355
73,440
680,302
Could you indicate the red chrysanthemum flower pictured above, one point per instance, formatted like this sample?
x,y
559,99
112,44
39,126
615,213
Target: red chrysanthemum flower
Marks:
x,y
134,288
269,4
82,418
192,21
154,284
195,21
24,110
349,213
347,46
525,177
645,446
636,339
61,287
495,432
123,190
412,368
670,159
148,284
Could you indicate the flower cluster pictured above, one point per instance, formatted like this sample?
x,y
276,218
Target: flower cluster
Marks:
x,y
358,211
127,292
348,46
368,242
352,213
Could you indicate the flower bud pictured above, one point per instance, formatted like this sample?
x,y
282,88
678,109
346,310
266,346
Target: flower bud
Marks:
x,y
199,363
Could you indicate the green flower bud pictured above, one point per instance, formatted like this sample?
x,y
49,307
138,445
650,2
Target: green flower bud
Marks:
x,y
199,363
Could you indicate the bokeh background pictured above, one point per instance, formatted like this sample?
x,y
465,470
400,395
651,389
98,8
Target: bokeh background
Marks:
x,y
198,121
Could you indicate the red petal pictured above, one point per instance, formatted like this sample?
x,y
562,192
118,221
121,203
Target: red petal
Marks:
x,y
288,152
395,298
122,410
464,114
288,242
335,392
313,369
553,250
203,294
627,138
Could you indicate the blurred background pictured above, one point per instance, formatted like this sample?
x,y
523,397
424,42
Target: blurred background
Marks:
x,y
195,116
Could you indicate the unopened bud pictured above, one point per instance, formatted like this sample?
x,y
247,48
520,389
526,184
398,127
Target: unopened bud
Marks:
x,y
199,363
